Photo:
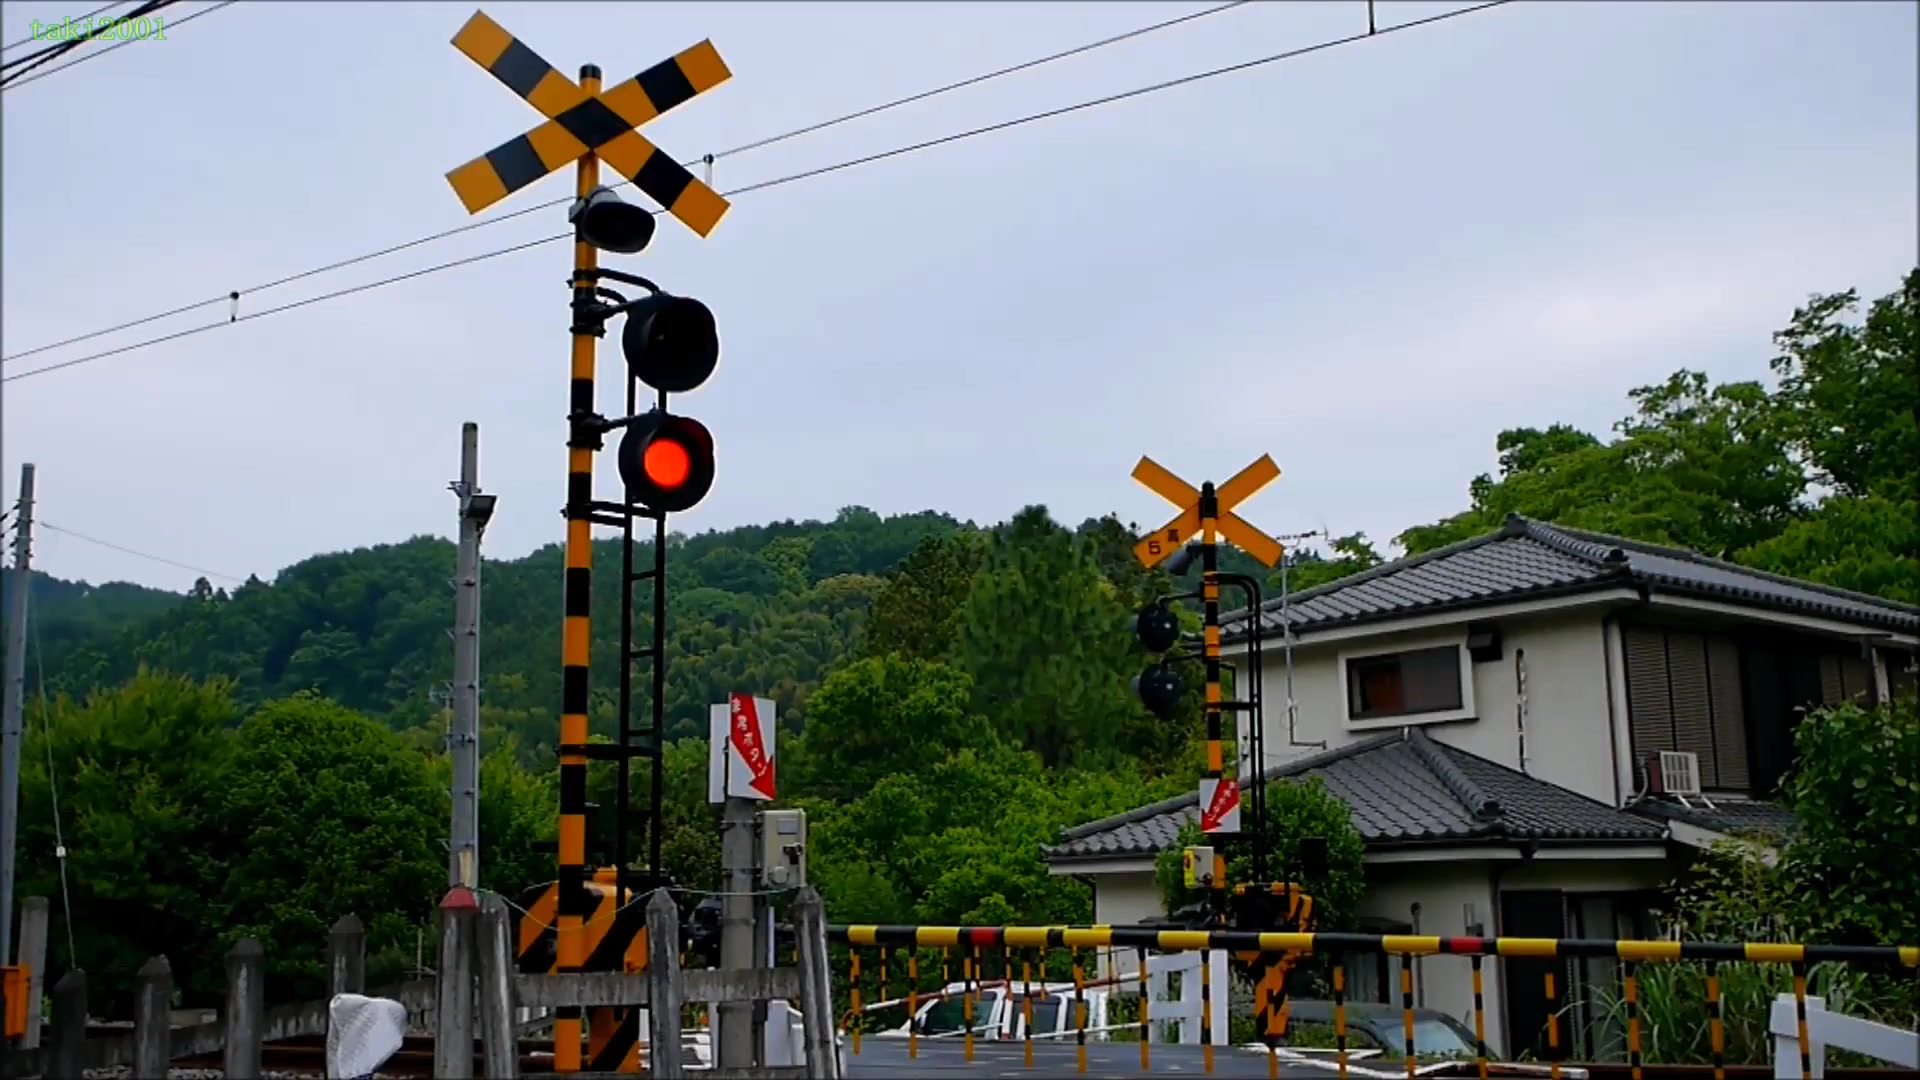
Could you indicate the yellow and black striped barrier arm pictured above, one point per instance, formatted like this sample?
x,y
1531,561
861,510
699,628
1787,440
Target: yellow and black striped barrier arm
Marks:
x,y
1144,937
582,120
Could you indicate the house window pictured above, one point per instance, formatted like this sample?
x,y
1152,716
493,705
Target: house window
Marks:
x,y
1404,683
1684,693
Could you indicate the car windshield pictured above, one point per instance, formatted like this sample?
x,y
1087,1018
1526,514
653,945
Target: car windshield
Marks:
x,y
1435,1038
949,1015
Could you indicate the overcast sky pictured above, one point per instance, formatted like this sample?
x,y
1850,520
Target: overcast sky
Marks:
x,y
1365,261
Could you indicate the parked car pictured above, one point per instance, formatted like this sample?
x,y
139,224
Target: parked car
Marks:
x,y
1000,1015
1380,1028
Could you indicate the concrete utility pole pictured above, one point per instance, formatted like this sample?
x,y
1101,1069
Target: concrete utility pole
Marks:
x,y
737,939
463,741
13,725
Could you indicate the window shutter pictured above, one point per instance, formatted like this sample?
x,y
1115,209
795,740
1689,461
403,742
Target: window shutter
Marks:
x,y
1833,689
1856,680
1692,702
1649,717
1729,713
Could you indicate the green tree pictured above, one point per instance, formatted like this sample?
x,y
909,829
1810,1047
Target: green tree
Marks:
x,y
917,611
881,716
139,771
1047,644
1697,466
1850,394
325,812
1854,789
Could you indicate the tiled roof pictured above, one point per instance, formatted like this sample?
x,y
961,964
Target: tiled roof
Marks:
x,y
1402,788
1726,815
1528,559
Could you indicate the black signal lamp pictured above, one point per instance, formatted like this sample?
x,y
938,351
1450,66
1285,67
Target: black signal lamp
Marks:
x,y
670,342
1157,627
610,224
666,461
1159,689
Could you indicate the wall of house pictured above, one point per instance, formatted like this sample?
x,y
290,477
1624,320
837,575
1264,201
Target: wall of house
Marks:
x,y
1568,731
1124,900
1444,891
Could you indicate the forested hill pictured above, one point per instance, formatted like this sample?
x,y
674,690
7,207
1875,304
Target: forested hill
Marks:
x,y
765,608
1815,476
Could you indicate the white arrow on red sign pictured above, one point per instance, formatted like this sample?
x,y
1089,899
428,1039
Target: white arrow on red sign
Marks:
x,y
749,740
1220,806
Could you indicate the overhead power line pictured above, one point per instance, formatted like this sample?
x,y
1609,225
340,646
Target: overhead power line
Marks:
x,y
185,19
741,149
140,554
810,173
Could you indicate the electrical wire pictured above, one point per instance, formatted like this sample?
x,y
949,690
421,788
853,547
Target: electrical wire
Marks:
x,y
16,81
30,38
50,527
264,312
798,176
741,149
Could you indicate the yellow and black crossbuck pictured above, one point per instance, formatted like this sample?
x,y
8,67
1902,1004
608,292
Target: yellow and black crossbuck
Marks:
x,y
579,123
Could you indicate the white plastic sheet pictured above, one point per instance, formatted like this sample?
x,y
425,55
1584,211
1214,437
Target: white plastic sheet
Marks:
x,y
362,1033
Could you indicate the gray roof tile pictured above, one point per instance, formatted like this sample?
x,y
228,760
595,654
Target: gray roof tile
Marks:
x,y
1401,789
1527,558
1726,815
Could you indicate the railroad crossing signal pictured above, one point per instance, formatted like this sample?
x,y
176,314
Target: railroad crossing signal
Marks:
x,y
579,123
1157,545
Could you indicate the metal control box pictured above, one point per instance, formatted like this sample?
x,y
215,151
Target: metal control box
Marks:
x,y
783,848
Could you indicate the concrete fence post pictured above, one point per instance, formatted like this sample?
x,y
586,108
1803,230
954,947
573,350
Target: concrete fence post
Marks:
x,y
347,955
33,953
69,1057
501,1044
453,989
246,1009
664,1055
816,981
152,1019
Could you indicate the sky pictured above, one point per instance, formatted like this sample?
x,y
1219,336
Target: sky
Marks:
x,y
1365,261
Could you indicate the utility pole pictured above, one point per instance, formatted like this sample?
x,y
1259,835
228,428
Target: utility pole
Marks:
x,y
13,726
463,741
738,944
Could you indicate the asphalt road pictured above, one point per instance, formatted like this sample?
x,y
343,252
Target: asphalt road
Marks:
x,y
1105,1060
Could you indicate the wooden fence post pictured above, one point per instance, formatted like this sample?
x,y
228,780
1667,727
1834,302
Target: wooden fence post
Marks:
x,y
33,953
246,1008
665,1058
502,1045
69,1056
453,990
152,1022
347,955
816,982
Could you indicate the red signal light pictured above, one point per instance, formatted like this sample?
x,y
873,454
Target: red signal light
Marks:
x,y
666,461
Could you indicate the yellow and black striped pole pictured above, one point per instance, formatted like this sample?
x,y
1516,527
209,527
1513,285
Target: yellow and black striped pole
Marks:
x,y
1210,621
569,941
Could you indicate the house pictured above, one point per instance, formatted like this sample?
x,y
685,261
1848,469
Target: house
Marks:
x,y
1534,730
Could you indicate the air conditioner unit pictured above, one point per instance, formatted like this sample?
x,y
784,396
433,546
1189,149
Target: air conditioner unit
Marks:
x,y
1673,772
